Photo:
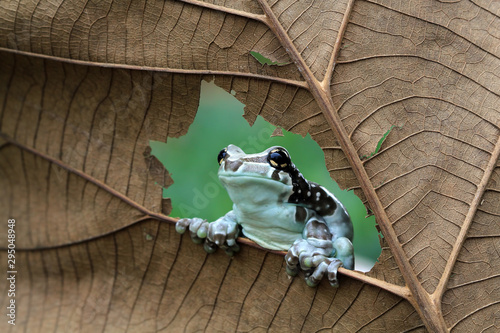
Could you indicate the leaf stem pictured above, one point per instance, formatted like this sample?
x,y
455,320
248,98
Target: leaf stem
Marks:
x,y
336,47
290,48
148,213
296,83
252,16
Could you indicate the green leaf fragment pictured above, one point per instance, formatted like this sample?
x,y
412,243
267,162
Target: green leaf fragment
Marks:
x,y
379,144
266,61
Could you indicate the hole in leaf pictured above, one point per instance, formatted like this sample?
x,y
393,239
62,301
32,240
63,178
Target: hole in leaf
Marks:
x,y
192,163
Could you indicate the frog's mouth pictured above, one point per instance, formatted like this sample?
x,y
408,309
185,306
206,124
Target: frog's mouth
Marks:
x,y
249,187
256,178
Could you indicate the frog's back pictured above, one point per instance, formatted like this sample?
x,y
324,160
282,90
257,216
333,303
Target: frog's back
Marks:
x,y
312,196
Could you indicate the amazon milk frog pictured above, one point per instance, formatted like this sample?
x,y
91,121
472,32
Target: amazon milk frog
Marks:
x,y
275,206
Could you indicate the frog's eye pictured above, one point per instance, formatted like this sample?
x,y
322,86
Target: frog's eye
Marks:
x,y
222,155
279,159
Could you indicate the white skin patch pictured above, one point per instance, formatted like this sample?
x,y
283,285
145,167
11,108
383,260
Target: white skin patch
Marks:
x,y
308,193
317,196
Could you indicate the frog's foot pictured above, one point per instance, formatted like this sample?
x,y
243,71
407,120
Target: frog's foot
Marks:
x,y
197,228
327,266
344,251
315,258
221,233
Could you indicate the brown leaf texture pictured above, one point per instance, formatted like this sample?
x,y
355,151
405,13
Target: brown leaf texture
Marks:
x,y
84,86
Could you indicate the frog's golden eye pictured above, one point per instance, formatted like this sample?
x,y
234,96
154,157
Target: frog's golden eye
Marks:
x,y
279,159
222,155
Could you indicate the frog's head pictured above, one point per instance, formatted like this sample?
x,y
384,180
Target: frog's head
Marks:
x,y
265,172
271,164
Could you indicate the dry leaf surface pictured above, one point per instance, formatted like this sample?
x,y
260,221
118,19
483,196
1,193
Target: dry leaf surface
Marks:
x,y
84,86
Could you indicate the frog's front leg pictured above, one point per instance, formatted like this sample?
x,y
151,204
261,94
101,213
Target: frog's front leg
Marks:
x,y
316,254
222,232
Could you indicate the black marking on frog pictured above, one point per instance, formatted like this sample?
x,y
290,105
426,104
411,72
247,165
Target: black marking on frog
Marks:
x,y
319,230
276,175
300,214
309,194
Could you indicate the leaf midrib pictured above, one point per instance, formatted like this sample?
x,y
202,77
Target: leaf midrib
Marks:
x,y
420,299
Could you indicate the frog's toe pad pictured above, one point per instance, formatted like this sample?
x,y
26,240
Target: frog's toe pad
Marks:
x,y
181,225
195,238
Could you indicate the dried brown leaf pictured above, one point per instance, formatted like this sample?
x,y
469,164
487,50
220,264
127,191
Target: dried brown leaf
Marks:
x,y
85,86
